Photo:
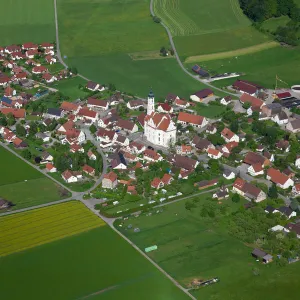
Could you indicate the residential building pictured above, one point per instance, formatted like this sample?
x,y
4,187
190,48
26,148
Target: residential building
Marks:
x,y
97,104
193,120
110,180
280,179
202,95
248,190
229,136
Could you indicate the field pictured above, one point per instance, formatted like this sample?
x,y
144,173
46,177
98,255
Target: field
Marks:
x,y
36,227
22,184
190,247
96,264
273,23
98,36
27,21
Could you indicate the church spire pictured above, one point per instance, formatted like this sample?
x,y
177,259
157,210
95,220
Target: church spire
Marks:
x,y
150,107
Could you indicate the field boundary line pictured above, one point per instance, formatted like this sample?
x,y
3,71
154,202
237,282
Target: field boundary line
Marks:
x,y
237,52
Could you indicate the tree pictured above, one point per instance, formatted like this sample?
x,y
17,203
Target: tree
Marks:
x,y
236,198
111,87
234,126
246,105
62,163
20,130
294,204
273,193
93,129
214,165
189,205
26,154
33,128
3,121
10,119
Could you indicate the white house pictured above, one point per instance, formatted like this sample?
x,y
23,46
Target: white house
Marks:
x,y
280,179
87,114
293,126
193,120
201,95
50,168
98,104
255,169
297,162
226,100
214,153
70,176
228,174
229,136
280,118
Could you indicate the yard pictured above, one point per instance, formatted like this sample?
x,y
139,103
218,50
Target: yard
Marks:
x,y
209,111
97,264
27,21
44,225
23,185
192,247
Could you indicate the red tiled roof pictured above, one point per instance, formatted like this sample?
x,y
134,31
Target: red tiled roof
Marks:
x,y
39,69
213,152
47,76
284,95
227,133
97,102
246,86
30,46
165,106
231,145
204,93
161,121
68,106
87,113
155,182
88,169
112,176
152,154
17,113
189,118
166,178
277,177
255,102
49,166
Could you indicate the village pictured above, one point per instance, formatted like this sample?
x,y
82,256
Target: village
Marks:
x,y
131,153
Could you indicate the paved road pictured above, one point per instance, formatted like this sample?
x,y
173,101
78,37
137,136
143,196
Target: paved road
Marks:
x,y
179,61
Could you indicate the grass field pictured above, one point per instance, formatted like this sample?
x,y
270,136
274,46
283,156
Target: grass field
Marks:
x,y
27,21
97,264
22,184
36,227
98,36
191,247
273,23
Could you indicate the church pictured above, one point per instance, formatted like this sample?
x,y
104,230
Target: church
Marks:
x,y
159,128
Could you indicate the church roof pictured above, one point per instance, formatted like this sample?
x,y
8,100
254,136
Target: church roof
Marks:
x,y
161,121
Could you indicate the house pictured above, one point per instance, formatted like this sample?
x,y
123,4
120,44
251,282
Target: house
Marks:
x,y
71,176
202,95
131,190
49,52
164,108
262,255
291,227
229,136
31,53
184,162
87,115
47,46
280,118
127,126
91,155
12,48
20,76
167,179
152,155
93,86
193,120
46,157
253,158
70,107
135,104
4,80
5,101
17,113
297,162
214,153
181,103
228,174
184,149
18,143
76,148
4,204
226,100
198,70
269,156
271,109
204,184
255,169
54,113
17,55
119,162
270,209
136,148
110,180
50,168
106,137
98,104
50,59
255,103
122,140
88,170
201,144
248,190
156,183
9,92
280,179
211,129
30,46
49,78
226,149
171,98
73,136
63,128
39,70
223,193
44,137
247,87
286,211
283,145
293,126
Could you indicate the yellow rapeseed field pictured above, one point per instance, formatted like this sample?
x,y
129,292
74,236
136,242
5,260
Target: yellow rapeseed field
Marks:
x,y
29,229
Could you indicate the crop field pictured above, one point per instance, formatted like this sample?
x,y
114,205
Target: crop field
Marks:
x,y
36,227
23,185
96,264
190,247
27,21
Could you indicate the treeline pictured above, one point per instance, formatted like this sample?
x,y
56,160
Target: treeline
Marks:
x,y
261,10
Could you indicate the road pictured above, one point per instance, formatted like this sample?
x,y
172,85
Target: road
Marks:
x,y
179,61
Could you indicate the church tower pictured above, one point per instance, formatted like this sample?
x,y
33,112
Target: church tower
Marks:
x,y
150,107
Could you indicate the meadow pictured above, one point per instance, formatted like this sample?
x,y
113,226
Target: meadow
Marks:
x,y
23,185
27,21
36,227
192,247
96,264
98,38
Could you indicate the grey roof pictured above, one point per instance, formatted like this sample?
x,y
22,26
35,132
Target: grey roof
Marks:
x,y
54,111
285,210
269,209
282,116
259,253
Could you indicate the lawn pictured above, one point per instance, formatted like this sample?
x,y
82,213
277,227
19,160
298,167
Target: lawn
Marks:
x,y
97,264
36,227
209,111
273,23
27,21
70,87
23,185
191,247
98,37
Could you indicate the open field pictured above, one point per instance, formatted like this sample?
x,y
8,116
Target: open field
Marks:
x,y
36,227
273,23
23,185
98,36
192,247
97,264
27,21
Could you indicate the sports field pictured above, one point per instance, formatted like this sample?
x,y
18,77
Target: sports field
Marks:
x,y
23,185
190,247
36,227
26,21
98,37
97,264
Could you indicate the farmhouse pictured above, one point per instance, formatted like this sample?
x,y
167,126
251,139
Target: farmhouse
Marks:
x,y
110,180
202,95
255,103
96,103
193,120
93,86
247,87
262,255
248,190
280,179
181,103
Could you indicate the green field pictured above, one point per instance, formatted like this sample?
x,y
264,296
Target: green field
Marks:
x,y
273,23
98,36
97,264
27,21
36,227
23,185
191,247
